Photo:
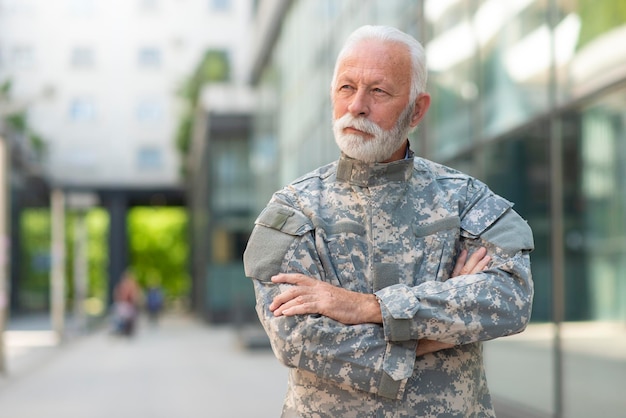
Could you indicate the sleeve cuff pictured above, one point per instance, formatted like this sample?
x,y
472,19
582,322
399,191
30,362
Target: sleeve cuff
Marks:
x,y
398,306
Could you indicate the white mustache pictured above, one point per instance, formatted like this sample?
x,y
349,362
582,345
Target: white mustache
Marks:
x,y
362,124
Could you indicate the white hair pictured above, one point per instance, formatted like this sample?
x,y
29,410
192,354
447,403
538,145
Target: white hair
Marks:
x,y
390,34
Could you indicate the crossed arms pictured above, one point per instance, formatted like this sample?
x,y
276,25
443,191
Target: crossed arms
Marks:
x,y
312,296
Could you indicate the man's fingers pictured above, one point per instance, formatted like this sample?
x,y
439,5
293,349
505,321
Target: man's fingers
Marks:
x,y
481,265
302,291
476,263
293,278
284,297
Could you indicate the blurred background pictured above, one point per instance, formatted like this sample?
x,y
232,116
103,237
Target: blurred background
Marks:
x,y
145,136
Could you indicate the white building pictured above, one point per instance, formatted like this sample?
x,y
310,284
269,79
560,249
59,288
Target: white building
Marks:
x,y
101,80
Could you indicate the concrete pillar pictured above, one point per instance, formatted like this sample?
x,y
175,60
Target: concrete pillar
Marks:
x,y
4,248
118,239
81,267
57,273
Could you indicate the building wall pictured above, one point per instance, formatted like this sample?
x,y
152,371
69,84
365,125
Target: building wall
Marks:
x,y
528,95
102,78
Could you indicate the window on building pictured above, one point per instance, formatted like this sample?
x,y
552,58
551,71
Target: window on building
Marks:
x,y
82,7
16,7
220,5
23,57
149,111
82,57
82,110
148,5
149,57
149,158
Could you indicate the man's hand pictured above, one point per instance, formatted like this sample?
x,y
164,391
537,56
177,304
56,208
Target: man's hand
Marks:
x,y
477,262
312,296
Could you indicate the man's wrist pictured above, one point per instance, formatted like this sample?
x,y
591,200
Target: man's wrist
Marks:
x,y
373,312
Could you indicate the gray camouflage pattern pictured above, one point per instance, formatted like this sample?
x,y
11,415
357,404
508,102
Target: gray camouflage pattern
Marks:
x,y
394,230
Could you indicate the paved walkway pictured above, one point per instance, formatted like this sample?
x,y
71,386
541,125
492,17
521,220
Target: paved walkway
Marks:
x,y
181,368
187,369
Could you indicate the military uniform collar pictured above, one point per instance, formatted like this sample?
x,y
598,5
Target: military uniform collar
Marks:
x,y
373,174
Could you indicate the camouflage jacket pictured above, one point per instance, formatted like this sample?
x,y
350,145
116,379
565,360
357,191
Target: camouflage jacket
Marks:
x,y
394,230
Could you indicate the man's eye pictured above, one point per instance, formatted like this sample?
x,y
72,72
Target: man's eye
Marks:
x,y
345,87
378,90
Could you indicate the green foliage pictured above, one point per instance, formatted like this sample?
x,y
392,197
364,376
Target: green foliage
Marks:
x,y
598,17
97,253
214,67
37,143
17,121
35,258
35,230
183,135
159,249
5,88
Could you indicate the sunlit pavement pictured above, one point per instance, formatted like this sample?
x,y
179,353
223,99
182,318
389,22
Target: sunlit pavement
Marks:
x,y
520,369
187,369
180,368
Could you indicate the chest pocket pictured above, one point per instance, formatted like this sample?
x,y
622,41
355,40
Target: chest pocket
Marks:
x,y
435,247
345,250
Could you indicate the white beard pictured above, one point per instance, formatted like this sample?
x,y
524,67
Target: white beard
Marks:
x,y
371,150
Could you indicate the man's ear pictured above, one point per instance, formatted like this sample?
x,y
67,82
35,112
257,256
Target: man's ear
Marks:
x,y
422,103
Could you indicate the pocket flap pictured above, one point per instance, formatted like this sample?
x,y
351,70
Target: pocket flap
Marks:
x,y
484,213
284,219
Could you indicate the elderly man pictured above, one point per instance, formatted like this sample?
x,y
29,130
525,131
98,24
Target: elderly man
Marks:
x,y
378,276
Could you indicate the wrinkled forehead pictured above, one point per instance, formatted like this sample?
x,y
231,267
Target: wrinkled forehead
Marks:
x,y
387,59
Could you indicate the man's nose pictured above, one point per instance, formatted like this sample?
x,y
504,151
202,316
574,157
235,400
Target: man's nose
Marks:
x,y
359,106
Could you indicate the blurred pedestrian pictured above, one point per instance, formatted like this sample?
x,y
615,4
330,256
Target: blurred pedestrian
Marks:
x,y
378,276
154,302
126,304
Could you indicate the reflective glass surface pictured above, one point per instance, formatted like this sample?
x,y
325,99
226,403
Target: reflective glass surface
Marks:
x,y
515,56
594,336
517,168
451,57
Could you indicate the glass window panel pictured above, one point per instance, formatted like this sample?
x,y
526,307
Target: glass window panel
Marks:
x,y
514,39
23,57
594,336
517,168
82,110
149,111
82,57
83,8
451,52
149,57
148,5
149,158
220,5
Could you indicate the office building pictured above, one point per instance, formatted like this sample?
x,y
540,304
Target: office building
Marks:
x,y
530,97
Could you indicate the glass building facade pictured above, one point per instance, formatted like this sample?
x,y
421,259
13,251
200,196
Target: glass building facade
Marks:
x,y
530,97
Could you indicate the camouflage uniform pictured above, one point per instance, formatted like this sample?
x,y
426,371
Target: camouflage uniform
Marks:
x,y
394,230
